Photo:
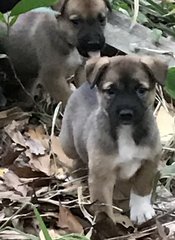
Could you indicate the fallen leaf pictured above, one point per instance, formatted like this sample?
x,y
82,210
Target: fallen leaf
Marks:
x,y
12,234
25,171
12,181
68,221
13,131
38,134
39,163
166,130
56,148
7,116
35,147
123,220
14,197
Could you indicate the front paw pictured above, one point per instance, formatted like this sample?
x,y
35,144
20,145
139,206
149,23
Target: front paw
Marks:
x,y
141,209
141,214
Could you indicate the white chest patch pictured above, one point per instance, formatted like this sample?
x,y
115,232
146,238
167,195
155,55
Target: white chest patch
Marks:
x,y
130,155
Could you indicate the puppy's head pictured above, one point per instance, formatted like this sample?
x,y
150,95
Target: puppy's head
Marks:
x,y
126,85
88,17
66,31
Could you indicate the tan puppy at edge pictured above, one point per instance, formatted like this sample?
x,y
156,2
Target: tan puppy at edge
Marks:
x,y
109,125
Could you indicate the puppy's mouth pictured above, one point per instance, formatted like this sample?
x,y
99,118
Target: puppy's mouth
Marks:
x,y
90,54
126,122
95,54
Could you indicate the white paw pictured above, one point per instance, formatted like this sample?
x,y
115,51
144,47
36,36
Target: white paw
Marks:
x,y
142,213
141,208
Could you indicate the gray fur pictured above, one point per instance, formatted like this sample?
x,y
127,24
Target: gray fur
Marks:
x,y
93,134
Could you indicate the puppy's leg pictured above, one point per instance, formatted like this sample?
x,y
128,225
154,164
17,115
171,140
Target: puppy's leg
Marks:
x,y
101,184
55,83
141,208
53,67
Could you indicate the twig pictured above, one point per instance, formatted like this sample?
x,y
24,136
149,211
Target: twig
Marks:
x,y
18,211
57,109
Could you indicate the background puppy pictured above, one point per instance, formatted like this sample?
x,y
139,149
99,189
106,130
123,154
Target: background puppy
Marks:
x,y
43,45
112,128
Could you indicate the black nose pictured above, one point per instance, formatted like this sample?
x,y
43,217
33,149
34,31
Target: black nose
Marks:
x,y
126,116
94,45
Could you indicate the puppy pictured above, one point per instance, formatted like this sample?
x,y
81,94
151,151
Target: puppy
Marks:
x,y
109,125
43,45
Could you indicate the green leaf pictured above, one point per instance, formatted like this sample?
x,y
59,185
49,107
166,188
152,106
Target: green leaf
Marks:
x,y
41,224
27,5
13,20
2,18
172,12
142,18
170,82
155,35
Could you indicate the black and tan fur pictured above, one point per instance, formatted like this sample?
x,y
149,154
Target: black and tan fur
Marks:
x,y
43,45
109,125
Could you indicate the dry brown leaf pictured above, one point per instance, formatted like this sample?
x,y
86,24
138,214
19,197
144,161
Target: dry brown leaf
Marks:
x,y
123,220
25,171
165,124
13,131
10,234
38,134
35,147
7,116
14,197
12,181
68,222
56,148
40,163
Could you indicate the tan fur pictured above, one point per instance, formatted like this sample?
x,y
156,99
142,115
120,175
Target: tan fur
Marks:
x,y
85,8
87,133
43,45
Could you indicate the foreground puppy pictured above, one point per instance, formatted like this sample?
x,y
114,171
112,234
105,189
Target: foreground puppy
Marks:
x,y
109,124
43,45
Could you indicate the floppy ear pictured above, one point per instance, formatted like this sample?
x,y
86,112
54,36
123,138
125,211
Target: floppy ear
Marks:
x,y
95,68
156,69
108,5
60,6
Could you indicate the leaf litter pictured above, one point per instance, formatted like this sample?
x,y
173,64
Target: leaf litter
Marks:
x,y
35,171
39,174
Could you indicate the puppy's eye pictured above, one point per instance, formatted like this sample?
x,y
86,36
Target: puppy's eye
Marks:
x,y
76,21
109,91
141,91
